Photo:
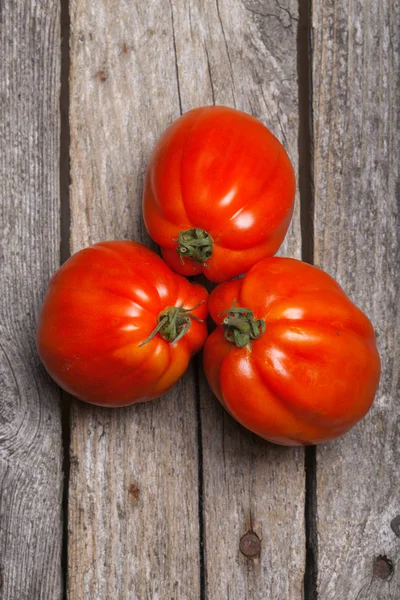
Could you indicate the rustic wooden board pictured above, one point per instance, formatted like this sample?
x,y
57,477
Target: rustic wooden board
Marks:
x,y
134,488
133,498
30,423
245,55
356,128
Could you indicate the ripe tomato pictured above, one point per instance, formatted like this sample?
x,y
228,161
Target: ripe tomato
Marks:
x,y
292,359
219,193
95,328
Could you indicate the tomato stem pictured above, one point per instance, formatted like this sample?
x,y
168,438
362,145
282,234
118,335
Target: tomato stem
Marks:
x,y
196,244
173,323
240,326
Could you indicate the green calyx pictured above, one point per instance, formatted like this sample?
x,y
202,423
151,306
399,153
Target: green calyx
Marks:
x,y
240,326
173,323
196,244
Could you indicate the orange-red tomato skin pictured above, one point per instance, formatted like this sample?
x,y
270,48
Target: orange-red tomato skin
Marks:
x,y
99,306
313,374
220,170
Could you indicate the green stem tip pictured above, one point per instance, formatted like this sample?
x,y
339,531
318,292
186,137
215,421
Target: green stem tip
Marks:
x,y
173,323
240,326
196,244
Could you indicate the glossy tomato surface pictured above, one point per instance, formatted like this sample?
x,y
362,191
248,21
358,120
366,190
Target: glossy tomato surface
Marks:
x,y
222,177
310,368
100,307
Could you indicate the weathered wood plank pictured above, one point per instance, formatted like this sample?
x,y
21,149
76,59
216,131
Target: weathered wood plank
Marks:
x,y
133,70
133,498
30,423
356,129
244,55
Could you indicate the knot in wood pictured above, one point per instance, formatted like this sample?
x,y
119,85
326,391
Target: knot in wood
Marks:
x,y
134,492
250,544
383,567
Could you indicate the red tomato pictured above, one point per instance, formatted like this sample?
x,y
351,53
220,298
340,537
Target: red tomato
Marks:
x,y
292,359
97,318
219,193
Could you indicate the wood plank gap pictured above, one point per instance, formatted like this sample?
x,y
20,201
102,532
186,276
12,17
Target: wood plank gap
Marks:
x,y
202,541
305,140
306,192
65,177
311,570
66,438
65,253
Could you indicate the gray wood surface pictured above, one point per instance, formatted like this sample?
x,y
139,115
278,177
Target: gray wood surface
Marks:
x,y
30,424
134,487
133,497
249,52
356,128
167,498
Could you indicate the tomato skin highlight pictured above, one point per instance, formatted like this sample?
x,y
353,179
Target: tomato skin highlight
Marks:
x,y
313,374
100,307
222,171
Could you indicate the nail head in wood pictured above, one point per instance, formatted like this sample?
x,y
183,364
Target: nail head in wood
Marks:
x,y
383,567
250,544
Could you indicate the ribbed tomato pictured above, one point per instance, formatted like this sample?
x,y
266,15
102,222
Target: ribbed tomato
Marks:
x,y
292,358
219,193
117,326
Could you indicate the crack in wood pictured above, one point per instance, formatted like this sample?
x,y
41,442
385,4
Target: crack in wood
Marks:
x,y
176,59
305,146
65,217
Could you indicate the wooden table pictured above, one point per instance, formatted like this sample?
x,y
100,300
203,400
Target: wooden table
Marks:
x,y
152,502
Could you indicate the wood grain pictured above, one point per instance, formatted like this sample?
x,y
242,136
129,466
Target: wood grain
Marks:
x,y
30,424
133,498
134,492
356,129
247,52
